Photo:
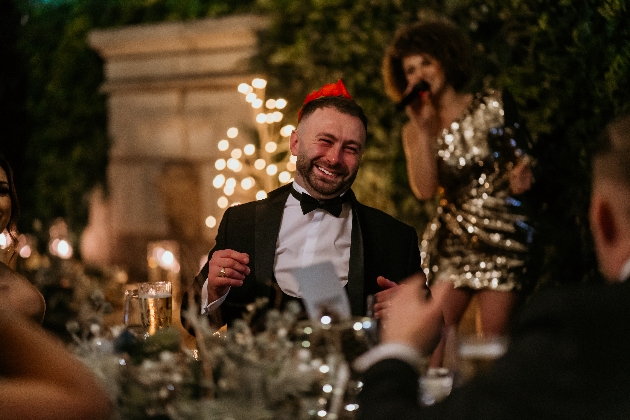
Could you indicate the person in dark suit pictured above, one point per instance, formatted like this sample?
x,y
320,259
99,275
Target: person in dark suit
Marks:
x,y
568,352
316,218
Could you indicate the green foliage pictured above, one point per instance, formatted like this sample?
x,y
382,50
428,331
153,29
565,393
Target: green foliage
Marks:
x,y
67,144
566,63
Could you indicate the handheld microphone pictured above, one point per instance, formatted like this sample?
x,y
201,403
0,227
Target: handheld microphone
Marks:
x,y
420,87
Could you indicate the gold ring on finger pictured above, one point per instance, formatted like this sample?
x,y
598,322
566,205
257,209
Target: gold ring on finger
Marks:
x,y
222,272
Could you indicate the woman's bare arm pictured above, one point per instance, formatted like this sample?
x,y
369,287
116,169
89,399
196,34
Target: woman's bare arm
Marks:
x,y
40,379
421,161
19,296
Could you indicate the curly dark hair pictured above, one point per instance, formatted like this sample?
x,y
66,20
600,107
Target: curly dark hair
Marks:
x,y
15,206
438,38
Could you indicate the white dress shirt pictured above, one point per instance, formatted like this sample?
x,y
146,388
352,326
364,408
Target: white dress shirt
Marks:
x,y
303,240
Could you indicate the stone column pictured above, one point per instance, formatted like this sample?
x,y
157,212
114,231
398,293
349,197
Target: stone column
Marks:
x,y
172,94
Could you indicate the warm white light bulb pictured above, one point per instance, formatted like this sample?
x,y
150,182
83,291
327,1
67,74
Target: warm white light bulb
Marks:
x,y
223,145
281,103
64,250
286,130
236,153
222,202
284,177
230,183
250,97
270,104
272,169
259,83
271,147
249,149
244,88
167,258
218,181
261,195
25,251
233,164
291,166
257,103
261,118
228,191
277,116
247,183
211,221
232,132
220,164
260,164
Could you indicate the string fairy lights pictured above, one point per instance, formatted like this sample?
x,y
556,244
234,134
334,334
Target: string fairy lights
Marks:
x,y
251,171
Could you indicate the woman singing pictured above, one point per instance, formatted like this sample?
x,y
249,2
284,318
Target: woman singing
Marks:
x,y
470,150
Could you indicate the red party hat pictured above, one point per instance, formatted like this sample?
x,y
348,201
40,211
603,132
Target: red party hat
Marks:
x,y
331,89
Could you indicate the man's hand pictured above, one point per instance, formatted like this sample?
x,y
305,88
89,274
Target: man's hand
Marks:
x,y
226,268
411,317
382,297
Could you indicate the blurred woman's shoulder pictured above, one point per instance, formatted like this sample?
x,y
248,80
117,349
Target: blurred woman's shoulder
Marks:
x,y
20,296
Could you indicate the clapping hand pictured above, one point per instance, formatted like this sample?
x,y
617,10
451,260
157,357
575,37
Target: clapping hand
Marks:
x,y
410,316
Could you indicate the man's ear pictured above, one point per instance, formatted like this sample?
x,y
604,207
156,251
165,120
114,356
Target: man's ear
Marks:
x,y
603,222
293,142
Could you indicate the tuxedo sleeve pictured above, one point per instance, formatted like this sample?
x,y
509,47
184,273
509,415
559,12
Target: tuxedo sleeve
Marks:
x,y
194,290
413,260
390,391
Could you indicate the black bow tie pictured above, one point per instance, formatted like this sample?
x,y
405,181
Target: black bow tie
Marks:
x,y
308,203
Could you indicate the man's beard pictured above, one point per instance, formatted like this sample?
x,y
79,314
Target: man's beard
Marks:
x,y
306,169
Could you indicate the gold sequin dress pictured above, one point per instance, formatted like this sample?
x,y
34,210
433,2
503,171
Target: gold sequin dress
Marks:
x,y
480,235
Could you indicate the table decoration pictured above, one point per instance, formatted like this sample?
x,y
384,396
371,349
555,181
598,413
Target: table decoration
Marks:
x,y
289,369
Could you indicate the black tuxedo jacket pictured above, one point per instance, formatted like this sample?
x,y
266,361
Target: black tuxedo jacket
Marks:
x,y
569,358
380,246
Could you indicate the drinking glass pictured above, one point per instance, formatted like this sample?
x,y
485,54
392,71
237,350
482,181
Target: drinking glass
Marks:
x,y
476,354
131,312
156,305
149,307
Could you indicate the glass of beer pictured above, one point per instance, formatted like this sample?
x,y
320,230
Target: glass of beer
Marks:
x,y
476,354
156,305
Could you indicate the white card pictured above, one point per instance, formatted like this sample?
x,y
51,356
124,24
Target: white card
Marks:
x,y
321,291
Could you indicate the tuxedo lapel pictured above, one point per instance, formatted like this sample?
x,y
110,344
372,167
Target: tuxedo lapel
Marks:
x,y
268,218
356,267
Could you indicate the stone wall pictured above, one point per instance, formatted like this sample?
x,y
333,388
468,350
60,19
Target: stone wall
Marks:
x,y
172,94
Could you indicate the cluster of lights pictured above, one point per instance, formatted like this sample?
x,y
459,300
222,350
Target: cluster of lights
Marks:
x,y
163,258
60,248
23,249
254,170
57,247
